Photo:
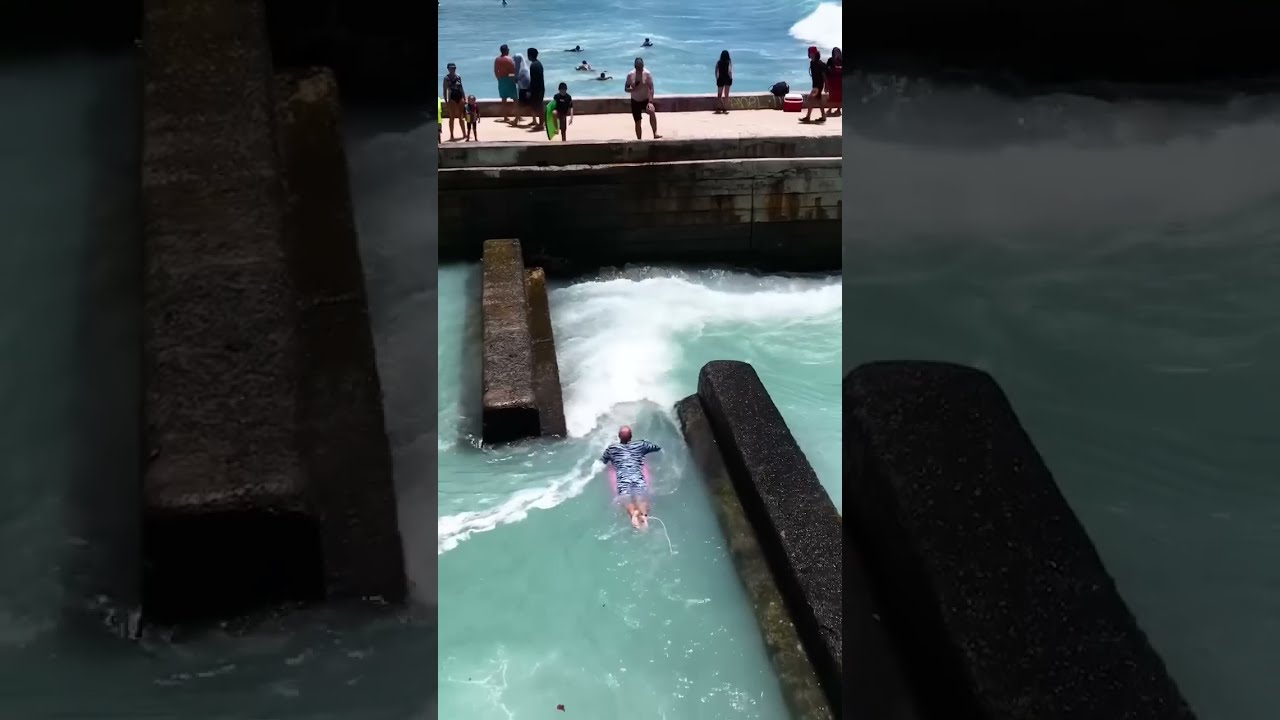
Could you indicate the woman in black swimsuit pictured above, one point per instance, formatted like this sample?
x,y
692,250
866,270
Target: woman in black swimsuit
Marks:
x,y
454,97
724,80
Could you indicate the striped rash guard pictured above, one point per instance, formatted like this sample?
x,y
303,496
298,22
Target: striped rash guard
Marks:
x,y
628,460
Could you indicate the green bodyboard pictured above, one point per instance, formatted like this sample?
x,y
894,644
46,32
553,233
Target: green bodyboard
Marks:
x,y
552,126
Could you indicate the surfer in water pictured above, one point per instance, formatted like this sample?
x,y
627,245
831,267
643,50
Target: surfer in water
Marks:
x,y
627,457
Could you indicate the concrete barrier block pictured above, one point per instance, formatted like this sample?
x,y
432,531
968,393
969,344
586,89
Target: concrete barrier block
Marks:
x,y
795,520
993,591
226,524
546,369
800,688
343,437
510,409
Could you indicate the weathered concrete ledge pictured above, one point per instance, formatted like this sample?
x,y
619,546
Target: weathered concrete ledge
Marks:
x,y
799,683
797,525
492,107
546,369
510,405
343,437
478,155
227,522
768,214
990,586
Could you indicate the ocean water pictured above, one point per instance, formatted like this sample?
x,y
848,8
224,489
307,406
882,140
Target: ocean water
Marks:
x,y
767,40
548,597
1117,268
69,354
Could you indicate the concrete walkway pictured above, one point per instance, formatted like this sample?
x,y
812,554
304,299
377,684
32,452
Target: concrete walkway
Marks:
x,y
683,125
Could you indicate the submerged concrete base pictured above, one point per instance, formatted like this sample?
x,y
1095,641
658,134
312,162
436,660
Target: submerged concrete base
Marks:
x,y
510,405
343,438
800,687
991,589
771,214
796,523
546,369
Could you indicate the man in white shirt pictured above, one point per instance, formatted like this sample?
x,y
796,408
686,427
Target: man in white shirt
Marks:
x,y
640,85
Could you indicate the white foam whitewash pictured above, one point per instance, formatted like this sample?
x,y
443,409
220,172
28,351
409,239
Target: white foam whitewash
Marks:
x,y
618,342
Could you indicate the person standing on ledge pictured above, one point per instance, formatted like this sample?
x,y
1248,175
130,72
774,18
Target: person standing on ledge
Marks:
x,y
835,82
724,80
817,71
640,85
451,90
504,69
537,90
627,457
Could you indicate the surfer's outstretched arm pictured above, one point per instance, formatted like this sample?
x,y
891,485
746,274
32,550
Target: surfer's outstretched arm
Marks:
x,y
647,447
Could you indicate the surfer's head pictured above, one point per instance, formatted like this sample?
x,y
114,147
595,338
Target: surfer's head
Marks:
x,y
624,433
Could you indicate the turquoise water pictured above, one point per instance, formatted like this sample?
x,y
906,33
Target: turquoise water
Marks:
x,y
766,39
548,597
69,389
1116,267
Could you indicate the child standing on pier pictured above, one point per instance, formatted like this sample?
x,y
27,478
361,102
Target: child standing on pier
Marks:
x,y
564,110
471,119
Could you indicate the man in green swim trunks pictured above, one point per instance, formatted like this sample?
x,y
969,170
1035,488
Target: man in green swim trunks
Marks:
x,y
504,69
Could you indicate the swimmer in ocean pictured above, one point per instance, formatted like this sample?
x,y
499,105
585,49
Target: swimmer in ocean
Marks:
x,y
575,48
646,43
584,67
627,457
604,77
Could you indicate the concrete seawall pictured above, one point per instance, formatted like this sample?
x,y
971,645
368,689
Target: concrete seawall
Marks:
x,y
632,152
770,214
991,590
795,523
233,516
